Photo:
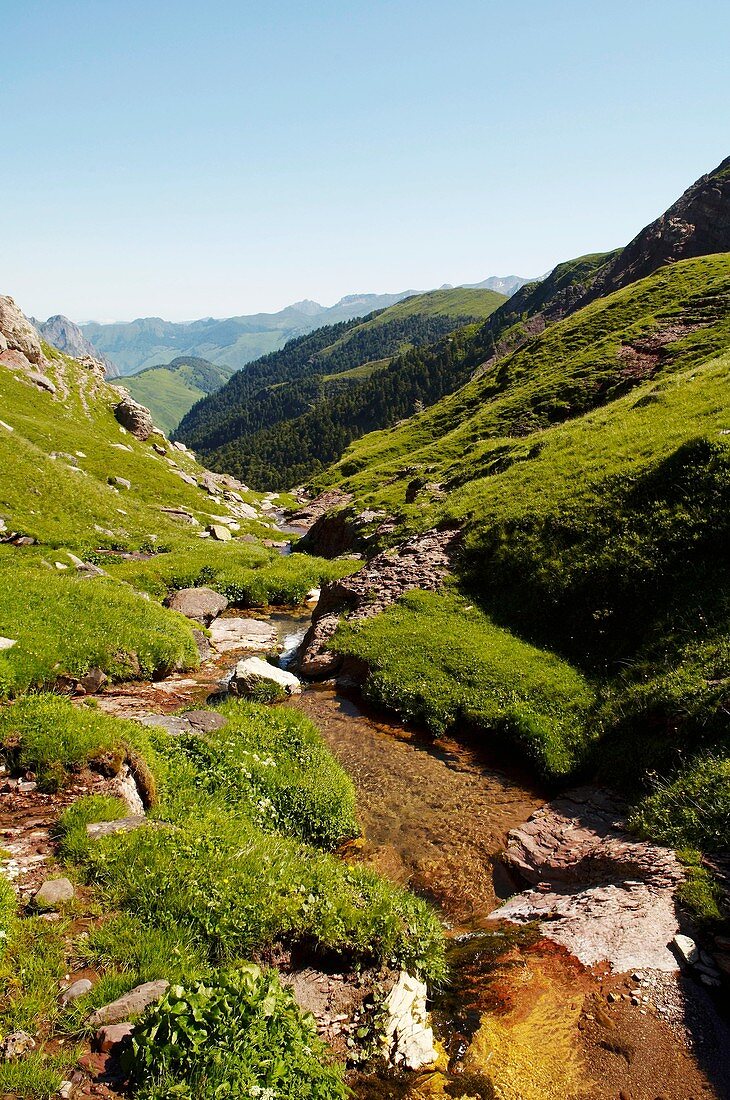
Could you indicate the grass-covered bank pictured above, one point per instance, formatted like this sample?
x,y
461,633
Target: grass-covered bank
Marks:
x,y
436,660
237,857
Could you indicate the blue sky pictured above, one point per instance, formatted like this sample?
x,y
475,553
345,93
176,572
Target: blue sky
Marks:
x,y
192,159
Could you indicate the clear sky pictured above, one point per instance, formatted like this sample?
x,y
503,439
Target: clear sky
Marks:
x,y
213,158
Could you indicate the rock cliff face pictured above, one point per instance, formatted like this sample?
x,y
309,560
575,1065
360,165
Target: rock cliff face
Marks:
x,y
17,333
697,224
68,337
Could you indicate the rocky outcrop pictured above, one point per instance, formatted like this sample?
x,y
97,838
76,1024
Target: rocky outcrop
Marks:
x,y
17,333
595,888
697,224
421,562
238,632
331,529
135,418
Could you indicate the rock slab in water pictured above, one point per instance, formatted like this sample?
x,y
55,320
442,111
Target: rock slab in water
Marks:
x,y
201,604
408,1036
251,672
241,633
601,893
131,1004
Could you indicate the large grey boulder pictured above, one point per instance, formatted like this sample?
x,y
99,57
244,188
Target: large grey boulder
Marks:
x,y
19,333
249,674
201,604
135,418
131,1004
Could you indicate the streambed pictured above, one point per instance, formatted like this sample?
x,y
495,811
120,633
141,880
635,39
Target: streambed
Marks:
x,y
521,1019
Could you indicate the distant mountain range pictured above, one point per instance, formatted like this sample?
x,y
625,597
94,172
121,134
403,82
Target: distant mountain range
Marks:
x,y
232,342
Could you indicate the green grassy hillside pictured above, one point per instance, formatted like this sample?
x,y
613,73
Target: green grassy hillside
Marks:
x,y
67,506
170,390
590,471
291,413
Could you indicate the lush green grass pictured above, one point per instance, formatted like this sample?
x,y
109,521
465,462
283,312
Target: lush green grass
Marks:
x,y
170,390
225,863
274,765
249,575
594,491
435,660
45,734
65,625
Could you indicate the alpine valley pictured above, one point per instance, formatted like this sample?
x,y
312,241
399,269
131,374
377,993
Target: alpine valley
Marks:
x,y
365,691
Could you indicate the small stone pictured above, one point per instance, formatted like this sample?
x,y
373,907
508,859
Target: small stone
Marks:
x,y
16,1045
66,1090
53,893
76,990
98,829
8,643
93,680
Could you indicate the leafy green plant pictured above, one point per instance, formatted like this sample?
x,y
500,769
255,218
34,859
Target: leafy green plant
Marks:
x,y
242,1037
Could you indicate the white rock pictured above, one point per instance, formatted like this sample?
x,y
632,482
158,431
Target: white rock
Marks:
x,y
252,671
687,948
8,643
240,633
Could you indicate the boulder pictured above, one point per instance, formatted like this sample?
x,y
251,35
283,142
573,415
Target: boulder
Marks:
x,y
119,482
93,680
131,1004
205,720
54,893
219,532
201,604
408,1038
41,381
134,417
251,672
18,332
241,633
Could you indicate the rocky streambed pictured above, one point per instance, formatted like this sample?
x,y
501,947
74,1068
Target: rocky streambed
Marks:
x,y
566,980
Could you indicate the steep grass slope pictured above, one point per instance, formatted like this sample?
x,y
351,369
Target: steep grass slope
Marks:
x,y
590,471
294,411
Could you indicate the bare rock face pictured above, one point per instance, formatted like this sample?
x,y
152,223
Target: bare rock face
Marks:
x,y
19,333
65,335
135,418
594,887
421,562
